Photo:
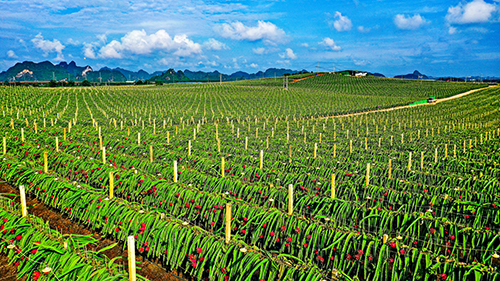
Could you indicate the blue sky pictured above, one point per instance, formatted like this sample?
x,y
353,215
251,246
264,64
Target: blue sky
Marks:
x,y
392,37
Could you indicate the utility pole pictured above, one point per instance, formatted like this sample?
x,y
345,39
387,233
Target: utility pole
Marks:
x,y
53,76
275,76
333,68
481,78
220,75
317,67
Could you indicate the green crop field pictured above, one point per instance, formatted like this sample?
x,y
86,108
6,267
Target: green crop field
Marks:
x,y
248,181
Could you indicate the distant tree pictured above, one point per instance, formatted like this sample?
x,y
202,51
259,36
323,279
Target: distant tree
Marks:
x,y
52,83
71,83
86,83
139,82
158,83
286,74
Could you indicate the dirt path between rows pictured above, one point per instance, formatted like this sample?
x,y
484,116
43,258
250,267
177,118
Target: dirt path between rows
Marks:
x,y
60,222
304,78
408,106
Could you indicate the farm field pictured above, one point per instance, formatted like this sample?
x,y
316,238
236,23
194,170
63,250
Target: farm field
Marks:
x,y
248,181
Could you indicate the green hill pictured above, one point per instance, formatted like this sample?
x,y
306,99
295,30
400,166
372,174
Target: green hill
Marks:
x,y
46,71
170,76
30,71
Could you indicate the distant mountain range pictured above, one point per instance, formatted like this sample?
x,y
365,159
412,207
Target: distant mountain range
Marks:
x,y
46,71
414,75
63,71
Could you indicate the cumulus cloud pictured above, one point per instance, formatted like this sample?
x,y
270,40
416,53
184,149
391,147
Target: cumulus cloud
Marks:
x,y
259,51
88,51
11,54
73,42
452,30
409,23
214,45
473,12
138,42
163,61
329,43
48,46
254,65
288,54
342,23
304,45
111,51
265,31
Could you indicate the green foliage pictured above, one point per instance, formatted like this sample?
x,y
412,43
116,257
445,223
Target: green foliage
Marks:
x,y
170,76
38,251
442,218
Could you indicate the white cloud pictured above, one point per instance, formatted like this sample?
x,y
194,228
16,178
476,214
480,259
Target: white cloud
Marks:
x,y
409,23
304,45
48,46
474,12
73,42
265,31
342,23
88,51
259,51
361,62
214,45
288,54
11,54
111,51
478,30
283,62
363,29
254,65
102,37
163,61
138,42
208,63
452,30
329,43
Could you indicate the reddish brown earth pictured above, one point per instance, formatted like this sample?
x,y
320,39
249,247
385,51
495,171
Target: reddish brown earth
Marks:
x,y
63,224
7,272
